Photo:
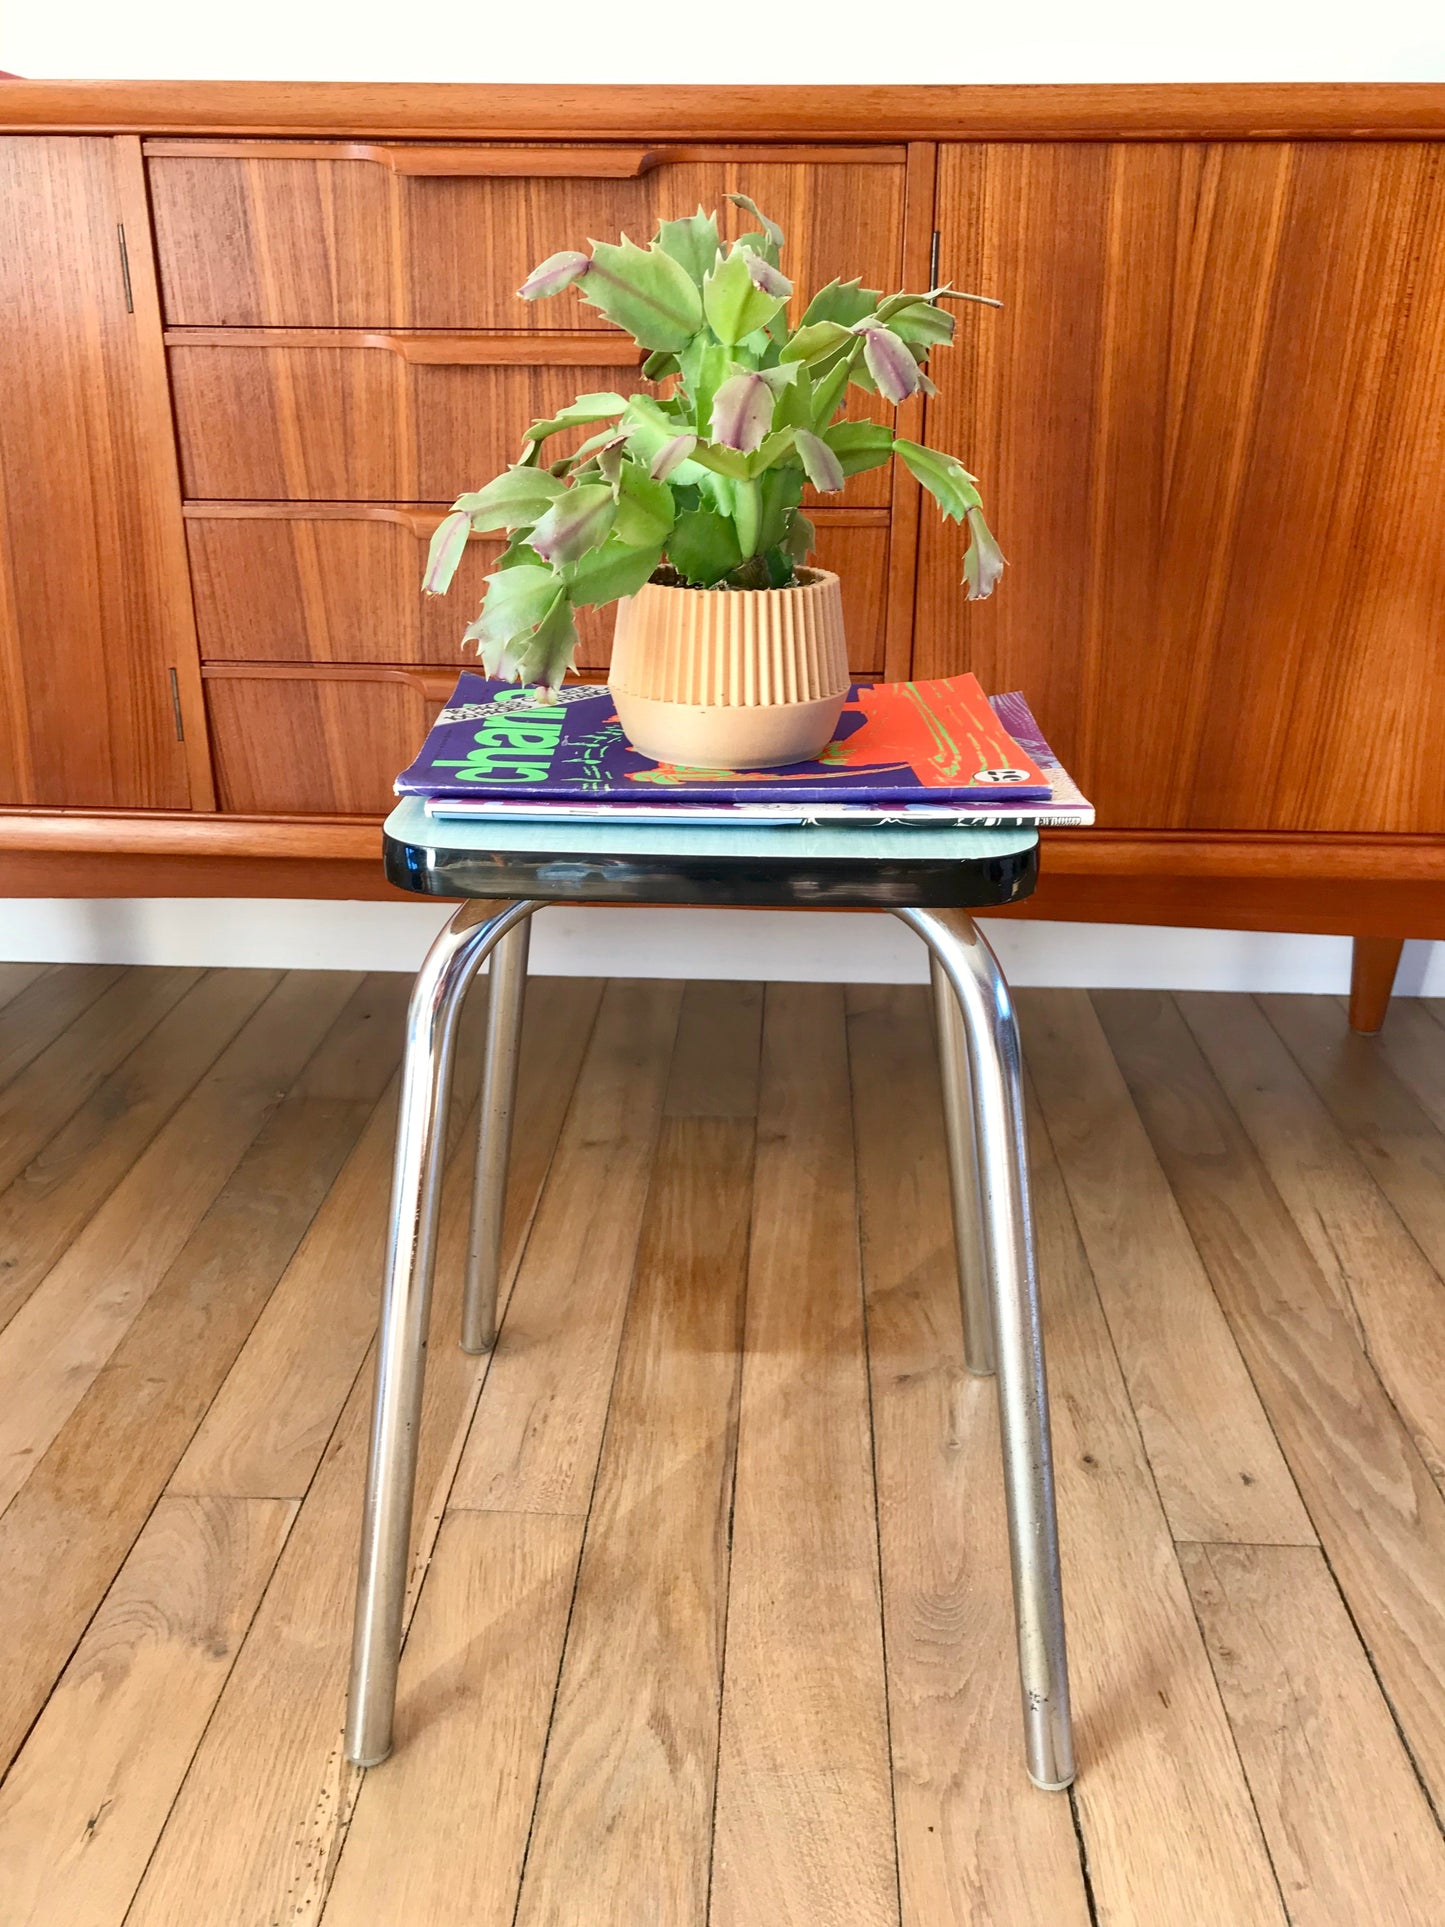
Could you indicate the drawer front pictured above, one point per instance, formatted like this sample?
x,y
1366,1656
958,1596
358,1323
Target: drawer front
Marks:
x,y
313,744
273,584
252,238
292,421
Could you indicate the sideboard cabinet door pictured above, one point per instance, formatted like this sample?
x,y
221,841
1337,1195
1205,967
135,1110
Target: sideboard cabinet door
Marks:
x,y
87,704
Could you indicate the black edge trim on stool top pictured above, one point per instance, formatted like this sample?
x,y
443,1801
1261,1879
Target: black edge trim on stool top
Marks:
x,y
759,882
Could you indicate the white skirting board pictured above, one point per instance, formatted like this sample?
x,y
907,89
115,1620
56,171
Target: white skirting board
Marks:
x,y
816,946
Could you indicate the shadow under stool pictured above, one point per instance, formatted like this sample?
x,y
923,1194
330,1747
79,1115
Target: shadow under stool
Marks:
x,y
931,878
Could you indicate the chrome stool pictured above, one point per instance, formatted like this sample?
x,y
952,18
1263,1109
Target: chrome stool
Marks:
x,y
931,879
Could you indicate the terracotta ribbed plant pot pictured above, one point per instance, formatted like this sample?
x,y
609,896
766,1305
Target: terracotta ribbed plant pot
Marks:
x,y
731,678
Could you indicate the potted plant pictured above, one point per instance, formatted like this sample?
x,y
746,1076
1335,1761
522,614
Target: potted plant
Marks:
x,y
684,507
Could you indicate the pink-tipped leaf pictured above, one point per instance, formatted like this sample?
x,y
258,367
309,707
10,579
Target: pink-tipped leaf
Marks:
x,y
742,412
448,543
557,272
889,361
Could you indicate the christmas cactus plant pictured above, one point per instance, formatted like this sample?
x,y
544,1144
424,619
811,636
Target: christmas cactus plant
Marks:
x,y
701,485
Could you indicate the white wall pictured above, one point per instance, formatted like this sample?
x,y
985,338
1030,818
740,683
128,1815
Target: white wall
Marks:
x,y
579,41
620,40
775,945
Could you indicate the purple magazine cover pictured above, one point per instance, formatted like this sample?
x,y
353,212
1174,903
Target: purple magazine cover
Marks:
x,y
936,742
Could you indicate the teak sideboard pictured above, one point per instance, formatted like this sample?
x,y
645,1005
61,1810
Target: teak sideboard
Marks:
x,y
256,336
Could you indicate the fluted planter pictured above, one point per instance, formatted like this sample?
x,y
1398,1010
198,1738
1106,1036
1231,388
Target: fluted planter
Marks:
x,y
731,678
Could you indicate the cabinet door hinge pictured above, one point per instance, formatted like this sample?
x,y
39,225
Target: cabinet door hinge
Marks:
x,y
124,266
176,706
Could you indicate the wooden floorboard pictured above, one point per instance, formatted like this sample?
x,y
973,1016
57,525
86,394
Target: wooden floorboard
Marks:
x,y
1350,1830
1381,1280
1380,1517
80,1510
61,1339
45,1206
708,1606
970,1847
41,1009
804,1824
1385,1125
1214,1455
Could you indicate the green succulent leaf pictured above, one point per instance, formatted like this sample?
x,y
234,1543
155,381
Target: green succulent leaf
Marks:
x,y
920,324
771,450
821,463
607,573
860,445
945,478
659,365
842,301
801,537
730,462
733,302
693,243
517,496
645,291
587,408
518,601
706,365
814,342
703,547
983,559
448,545
644,508
830,383
577,521
771,229
742,411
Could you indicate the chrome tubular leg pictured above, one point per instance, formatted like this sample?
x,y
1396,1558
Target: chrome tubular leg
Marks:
x,y
963,1177
508,989
988,1017
431,1022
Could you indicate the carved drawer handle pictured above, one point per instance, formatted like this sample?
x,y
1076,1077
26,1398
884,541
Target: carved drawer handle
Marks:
x,y
555,163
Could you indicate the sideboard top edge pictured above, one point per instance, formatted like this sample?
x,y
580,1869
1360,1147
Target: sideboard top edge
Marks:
x,y
448,110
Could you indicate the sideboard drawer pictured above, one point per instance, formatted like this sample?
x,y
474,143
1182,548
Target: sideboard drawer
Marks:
x,y
277,583
319,235
307,743
381,418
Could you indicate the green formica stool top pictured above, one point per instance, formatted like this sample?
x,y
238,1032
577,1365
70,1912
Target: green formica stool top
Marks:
x,y
833,866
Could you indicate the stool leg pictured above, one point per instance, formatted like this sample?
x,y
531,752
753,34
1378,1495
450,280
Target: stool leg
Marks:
x,y
507,991
431,1022
988,1017
963,1180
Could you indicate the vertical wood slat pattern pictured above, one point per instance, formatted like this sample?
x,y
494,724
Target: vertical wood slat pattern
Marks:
x,y
88,601
1211,427
343,243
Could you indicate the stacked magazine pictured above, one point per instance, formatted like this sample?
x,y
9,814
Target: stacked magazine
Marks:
x,y
913,752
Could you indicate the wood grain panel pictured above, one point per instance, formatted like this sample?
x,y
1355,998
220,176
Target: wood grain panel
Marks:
x,y
87,610
332,423
485,111
348,243
317,745
1211,420
322,583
